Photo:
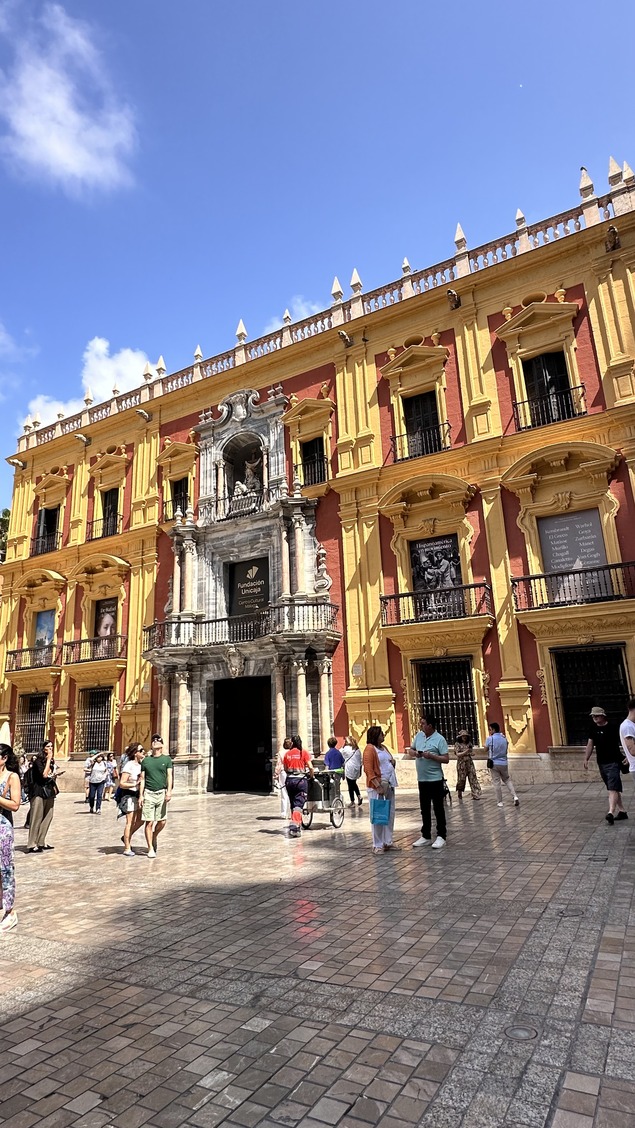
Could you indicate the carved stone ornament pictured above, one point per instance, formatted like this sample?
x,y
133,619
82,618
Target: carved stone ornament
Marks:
x,y
167,610
237,406
235,661
517,726
540,674
486,681
440,652
323,581
562,500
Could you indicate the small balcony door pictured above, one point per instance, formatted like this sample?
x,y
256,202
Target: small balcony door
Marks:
x,y
423,434
110,507
548,390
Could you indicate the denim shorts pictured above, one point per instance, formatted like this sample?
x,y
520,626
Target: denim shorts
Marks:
x,y
612,776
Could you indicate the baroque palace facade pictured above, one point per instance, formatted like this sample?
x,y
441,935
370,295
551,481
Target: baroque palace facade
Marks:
x,y
423,495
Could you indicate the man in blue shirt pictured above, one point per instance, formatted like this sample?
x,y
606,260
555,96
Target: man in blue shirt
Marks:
x,y
334,761
430,751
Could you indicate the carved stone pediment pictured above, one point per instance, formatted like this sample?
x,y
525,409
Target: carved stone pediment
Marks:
x,y
109,469
177,458
536,319
52,486
415,356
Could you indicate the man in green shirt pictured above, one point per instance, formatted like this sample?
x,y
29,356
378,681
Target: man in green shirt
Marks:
x,y
430,750
155,792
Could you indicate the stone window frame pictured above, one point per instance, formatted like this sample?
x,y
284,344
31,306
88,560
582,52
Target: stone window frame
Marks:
x,y
542,327
108,473
418,369
51,493
177,460
308,419
40,590
101,576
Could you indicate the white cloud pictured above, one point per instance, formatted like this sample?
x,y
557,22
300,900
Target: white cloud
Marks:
x,y
64,123
299,308
101,372
10,349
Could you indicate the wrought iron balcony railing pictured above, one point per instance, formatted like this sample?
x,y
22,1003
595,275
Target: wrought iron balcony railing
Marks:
x,y
416,444
170,506
47,543
584,585
94,649
424,607
294,618
237,505
108,526
311,471
33,657
553,407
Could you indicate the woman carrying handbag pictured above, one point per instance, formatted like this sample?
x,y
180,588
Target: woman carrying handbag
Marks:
x,y
43,794
381,781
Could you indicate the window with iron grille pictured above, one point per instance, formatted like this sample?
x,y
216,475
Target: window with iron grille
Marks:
x,y
180,495
446,688
110,510
30,727
92,730
46,536
586,676
313,462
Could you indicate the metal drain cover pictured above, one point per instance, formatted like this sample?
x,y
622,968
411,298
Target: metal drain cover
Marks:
x,y
521,1033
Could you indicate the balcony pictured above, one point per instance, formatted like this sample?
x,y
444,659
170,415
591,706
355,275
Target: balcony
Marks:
x,y
462,602
94,649
236,506
49,542
292,618
312,471
108,526
33,658
170,506
416,444
607,583
553,407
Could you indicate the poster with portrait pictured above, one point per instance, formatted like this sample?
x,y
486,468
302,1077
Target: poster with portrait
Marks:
x,y
44,628
106,618
436,564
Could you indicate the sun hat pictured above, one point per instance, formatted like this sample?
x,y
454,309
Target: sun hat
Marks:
x,y
596,711
463,732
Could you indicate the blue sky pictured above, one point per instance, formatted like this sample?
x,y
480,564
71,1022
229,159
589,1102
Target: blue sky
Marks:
x,y
167,169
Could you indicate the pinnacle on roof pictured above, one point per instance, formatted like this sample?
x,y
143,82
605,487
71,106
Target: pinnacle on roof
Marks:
x,y
356,282
459,238
161,367
337,292
615,172
241,332
286,317
405,267
198,353
148,374
586,184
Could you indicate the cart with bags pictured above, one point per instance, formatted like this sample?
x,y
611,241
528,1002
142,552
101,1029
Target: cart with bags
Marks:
x,y
324,796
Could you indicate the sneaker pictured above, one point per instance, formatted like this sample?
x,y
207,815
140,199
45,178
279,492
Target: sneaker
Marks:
x,y
516,801
359,802
378,849
9,921
438,843
151,854
422,842
621,815
128,853
499,804
351,804
610,819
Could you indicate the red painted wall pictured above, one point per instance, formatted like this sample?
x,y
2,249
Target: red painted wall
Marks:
x,y
516,546
625,516
327,531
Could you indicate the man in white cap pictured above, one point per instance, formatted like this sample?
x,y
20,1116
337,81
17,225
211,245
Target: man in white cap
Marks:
x,y
604,737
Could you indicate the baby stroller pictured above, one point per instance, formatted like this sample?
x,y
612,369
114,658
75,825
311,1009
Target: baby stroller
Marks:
x,y
447,794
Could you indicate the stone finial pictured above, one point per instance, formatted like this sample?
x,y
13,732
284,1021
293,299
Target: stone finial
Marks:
x,y
241,332
198,353
36,422
405,267
586,184
161,367
60,415
28,425
88,398
628,175
286,317
520,219
115,390
356,282
148,374
615,172
560,294
337,292
460,241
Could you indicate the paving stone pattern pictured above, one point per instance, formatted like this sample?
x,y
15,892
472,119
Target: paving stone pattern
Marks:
x,y
247,979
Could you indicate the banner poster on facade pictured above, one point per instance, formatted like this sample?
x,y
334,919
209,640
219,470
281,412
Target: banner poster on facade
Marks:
x,y
106,618
44,628
572,541
249,586
436,564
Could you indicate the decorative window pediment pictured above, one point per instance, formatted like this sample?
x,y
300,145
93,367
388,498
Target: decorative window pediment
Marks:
x,y
109,469
177,458
416,369
41,583
308,418
52,486
539,325
98,567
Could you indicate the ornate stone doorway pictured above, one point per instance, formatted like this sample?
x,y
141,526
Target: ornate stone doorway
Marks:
x,y
241,738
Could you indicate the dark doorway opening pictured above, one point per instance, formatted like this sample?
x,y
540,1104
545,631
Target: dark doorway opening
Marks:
x,y
588,676
242,734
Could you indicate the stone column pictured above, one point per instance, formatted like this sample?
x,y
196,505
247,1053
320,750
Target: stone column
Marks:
x,y
285,566
326,730
164,682
176,578
281,707
298,530
182,679
189,550
265,472
299,667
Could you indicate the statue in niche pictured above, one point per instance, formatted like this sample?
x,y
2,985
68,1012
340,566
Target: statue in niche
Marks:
x,y
167,610
252,483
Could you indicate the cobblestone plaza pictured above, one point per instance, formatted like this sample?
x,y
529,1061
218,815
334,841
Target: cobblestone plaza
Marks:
x,y
248,979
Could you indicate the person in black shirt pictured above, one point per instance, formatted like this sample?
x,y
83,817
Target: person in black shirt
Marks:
x,y
604,736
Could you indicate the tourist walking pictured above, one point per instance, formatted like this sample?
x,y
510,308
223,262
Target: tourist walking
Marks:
x,y
88,767
352,769
97,783
155,791
129,795
111,777
465,769
430,750
10,796
280,778
497,748
627,734
381,781
604,737
43,792
297,764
